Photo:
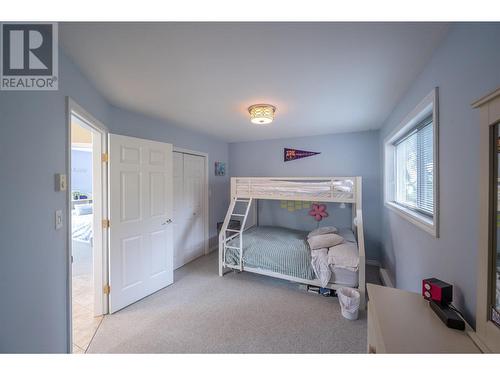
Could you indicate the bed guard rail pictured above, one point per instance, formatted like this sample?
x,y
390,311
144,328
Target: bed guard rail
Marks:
x,y
318,189
358,223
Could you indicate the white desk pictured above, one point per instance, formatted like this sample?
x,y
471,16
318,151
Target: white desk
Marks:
x,y
403,322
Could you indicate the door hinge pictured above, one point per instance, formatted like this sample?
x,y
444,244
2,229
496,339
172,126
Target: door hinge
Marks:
x,y
105,157
106,289
106,223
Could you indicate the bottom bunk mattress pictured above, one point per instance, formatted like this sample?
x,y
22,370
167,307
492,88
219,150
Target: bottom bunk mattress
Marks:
x,y
345,277
285,251
276,249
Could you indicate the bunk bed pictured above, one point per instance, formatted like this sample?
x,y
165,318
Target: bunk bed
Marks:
x,y
262,248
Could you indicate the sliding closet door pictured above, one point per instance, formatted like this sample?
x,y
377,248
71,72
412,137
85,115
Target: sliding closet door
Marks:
x,y
189,209
194,179
179,225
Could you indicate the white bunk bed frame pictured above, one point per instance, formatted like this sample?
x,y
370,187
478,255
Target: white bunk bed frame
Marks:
x,y
245,190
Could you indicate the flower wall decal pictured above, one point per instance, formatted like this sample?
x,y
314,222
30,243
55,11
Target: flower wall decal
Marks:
x,y
318,211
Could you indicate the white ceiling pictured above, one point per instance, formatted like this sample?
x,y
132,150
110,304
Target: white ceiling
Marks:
x,y
322,77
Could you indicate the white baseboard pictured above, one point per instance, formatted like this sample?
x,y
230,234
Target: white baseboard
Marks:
x,y
384,276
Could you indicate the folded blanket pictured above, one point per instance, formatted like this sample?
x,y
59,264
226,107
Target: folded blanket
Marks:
x,y
344,255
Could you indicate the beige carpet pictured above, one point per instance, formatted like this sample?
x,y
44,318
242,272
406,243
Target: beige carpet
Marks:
x,y
238,313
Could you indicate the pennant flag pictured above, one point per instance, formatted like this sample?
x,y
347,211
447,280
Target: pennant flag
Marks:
x,y
293,154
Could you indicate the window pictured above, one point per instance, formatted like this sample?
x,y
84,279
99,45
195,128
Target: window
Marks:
x,y
411,166
414,169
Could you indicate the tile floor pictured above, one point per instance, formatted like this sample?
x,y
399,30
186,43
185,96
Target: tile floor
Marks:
x,y
84,323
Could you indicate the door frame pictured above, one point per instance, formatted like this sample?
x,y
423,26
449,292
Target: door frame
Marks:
x,y
73,108
205,195
487,334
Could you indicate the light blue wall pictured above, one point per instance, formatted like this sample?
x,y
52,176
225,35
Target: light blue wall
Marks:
x,y
271,213
33,255
137,125
465,67
349,154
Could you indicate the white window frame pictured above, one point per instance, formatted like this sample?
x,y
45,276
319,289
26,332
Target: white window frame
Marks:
x,y
428,106
487,335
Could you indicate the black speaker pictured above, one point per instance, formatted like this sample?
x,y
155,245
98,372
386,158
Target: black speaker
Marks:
x,y
448,316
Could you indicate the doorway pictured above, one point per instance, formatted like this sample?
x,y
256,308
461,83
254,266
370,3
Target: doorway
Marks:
x,y
190,206
87,196
120,244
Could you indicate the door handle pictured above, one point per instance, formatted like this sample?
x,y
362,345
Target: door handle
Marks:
x,y
167,222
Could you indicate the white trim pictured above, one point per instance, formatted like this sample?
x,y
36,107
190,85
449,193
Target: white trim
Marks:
x,y
487,333
421,221
102,304
206,209
192,152
427,106
486,99
385,278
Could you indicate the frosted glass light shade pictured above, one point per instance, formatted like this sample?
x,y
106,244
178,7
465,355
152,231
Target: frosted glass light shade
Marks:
x,y
262,114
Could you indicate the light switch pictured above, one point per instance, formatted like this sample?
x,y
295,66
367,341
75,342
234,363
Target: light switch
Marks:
x,y
59,219
61,182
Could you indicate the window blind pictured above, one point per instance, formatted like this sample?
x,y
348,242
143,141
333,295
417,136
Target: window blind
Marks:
x,y
414,159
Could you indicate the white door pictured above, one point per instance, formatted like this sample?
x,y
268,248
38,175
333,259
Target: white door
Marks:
x,y
189,207
140,196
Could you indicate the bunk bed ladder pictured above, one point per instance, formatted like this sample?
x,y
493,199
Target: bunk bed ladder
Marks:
x,y
234,233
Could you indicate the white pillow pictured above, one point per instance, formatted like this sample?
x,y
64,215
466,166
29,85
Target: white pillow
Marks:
x,y
322,230
324,240
347,234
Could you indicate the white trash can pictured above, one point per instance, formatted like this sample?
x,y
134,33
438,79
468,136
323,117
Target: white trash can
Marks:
x,y
349,299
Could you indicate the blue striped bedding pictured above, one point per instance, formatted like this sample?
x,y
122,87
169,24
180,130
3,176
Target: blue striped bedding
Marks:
x,y
277,249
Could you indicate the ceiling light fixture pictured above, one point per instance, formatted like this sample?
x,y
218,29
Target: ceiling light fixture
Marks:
x,y
262,114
